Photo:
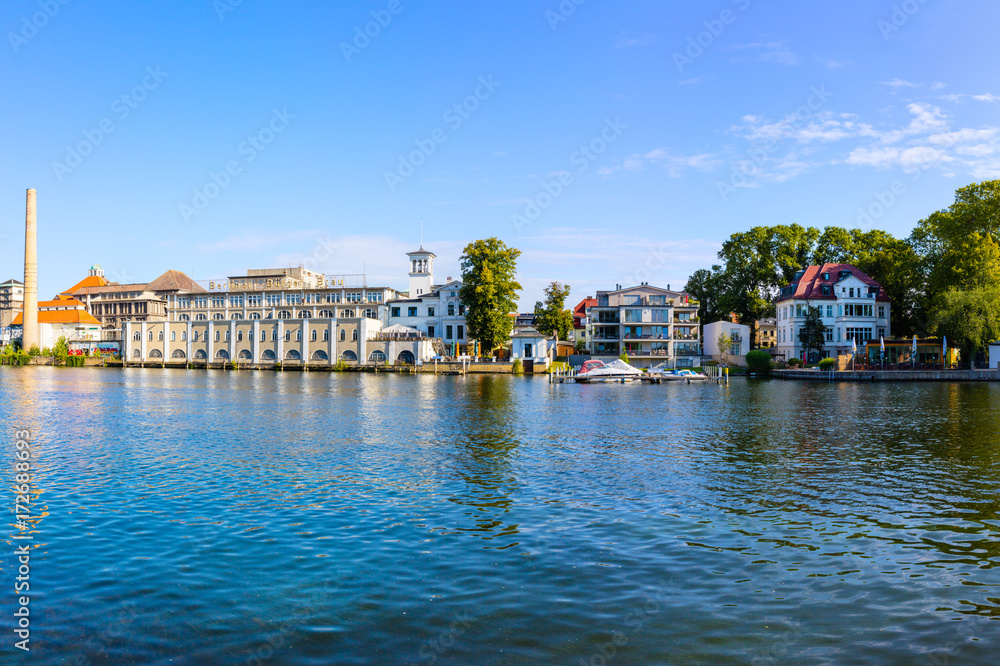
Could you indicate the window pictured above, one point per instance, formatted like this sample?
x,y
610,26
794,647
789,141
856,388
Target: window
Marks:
x,y
173,336
326,334
411,312
631,300
370,314
239,336
326,314
430,311
273,300
218,301
254,300
284,314
184,336
184,317
136,336
201,302
430,331
298,335
347,313
254,315
447,332
353,297
312,336
293,299
826,290
343,333
288,336
305,314
263,336
218,315
333,298
236,315
228,333
216,336
451,309
274,335
829,311
395,312
159,336
850,292
354,335
461,309
633,316
461,332
194,336
235,301
183,302
881,312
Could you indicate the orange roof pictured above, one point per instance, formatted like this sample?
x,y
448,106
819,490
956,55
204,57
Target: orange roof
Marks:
x,y
89,281
60,317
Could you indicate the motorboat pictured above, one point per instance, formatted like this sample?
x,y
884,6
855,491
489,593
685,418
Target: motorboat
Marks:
x,y
599,371
662,373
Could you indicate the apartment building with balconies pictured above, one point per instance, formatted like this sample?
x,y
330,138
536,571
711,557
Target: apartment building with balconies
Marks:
x,y
650,324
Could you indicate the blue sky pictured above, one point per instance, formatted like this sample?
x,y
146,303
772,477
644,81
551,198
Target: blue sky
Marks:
x,y
610,142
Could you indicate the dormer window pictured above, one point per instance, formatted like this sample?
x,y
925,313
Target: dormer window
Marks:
x,y
826,276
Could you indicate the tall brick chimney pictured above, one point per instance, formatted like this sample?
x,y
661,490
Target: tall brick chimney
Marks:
x,y
30,316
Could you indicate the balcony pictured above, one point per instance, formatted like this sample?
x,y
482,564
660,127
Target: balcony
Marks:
x,y
682,336
692,320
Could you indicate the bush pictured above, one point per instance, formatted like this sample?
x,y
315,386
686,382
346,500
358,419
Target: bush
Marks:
x,y
828,364
794,362
518,367
46,351
233,365
34,351
340,366
624,357
74,362
759,362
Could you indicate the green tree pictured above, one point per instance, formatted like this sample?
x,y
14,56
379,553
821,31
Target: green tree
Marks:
x,y
489,291
709,288
725,343
553,318
61,350
34,351
969,317
751,274
813,333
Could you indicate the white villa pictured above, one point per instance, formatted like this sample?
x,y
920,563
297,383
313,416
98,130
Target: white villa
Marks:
x,y
433,309
853,306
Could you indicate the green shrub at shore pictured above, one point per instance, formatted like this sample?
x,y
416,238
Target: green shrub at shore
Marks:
x,y
518,367
759,362
794,362
827,364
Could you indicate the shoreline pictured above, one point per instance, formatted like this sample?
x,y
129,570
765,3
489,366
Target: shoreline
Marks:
x,y
989,375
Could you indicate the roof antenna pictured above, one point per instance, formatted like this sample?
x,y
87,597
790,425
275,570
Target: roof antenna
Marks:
x,y
421,233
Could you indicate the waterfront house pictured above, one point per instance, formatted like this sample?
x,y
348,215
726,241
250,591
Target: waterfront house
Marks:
x,y
532,347
852,305
651,324
436,310
995,355
739,336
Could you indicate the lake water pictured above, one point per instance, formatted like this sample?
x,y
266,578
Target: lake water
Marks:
x,y
288,518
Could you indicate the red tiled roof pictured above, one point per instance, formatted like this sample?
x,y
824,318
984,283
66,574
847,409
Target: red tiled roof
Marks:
x,y
810,284
89,281
580,311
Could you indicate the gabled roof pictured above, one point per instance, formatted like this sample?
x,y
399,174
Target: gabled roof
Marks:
x,y
13,281
89,281
69,311
175,281
811,282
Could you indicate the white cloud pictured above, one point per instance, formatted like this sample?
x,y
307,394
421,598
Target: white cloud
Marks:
x,y
674,164
899,83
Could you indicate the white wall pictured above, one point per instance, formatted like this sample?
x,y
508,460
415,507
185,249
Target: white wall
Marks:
x,y
711,332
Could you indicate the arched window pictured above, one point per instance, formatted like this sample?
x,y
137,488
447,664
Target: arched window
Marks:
x,y
239,336
150,335
184,336
135,353
312,336
223,354
200,354
218,316
326,335
370,314
254,315
319,355
305,314
263,336
288,336
293,355
216,336
194,336
184,317
136,336
274,334
245,355
376,356
270,315
159,336
228,338
155,353
343,335
405,356
267,355
178,353
347,313
200,317
326,314
236,315
173,336
298,335
354,335
348,355
284,314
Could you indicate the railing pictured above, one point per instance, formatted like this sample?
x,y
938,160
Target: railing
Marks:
x,y
692,320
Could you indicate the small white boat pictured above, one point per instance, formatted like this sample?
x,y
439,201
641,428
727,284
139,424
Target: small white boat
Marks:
x,y
598,371
664,374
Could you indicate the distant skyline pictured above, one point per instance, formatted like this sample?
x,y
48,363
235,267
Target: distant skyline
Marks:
x,y
611,144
